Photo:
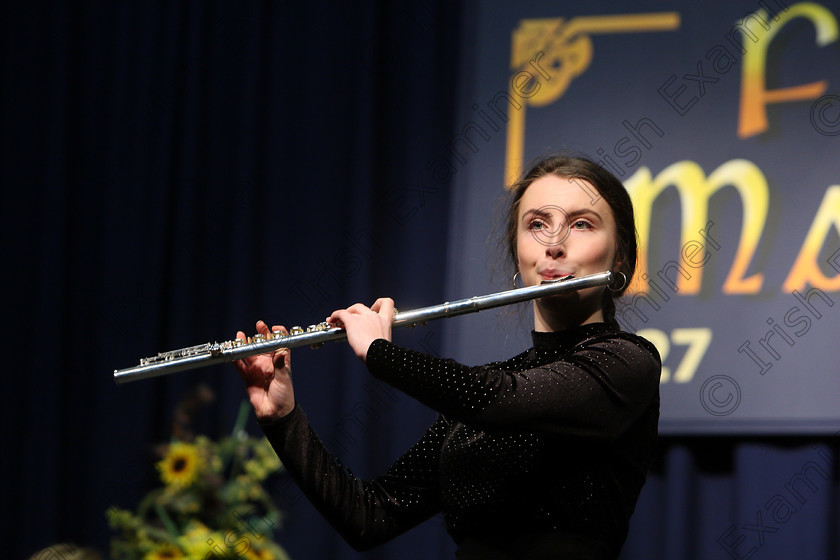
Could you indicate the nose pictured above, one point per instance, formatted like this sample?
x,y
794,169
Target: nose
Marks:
x,y
555,250
553,234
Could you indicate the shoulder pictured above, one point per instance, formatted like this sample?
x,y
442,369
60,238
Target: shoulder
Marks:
x,y
626,351
630,341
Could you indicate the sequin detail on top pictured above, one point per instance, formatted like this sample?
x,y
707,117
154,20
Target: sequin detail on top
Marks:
x,y
555,440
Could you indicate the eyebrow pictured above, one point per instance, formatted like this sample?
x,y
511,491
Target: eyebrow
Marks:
x,y
539,213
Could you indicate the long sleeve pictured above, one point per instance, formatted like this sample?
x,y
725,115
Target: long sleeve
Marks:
x,y
365,513
554,444
598,388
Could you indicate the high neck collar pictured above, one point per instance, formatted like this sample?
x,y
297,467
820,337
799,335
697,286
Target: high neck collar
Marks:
x,y
560,340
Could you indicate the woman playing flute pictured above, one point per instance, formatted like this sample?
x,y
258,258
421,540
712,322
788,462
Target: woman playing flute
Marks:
x,y
541,456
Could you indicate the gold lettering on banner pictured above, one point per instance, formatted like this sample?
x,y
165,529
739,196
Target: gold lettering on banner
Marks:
x,y
806,269
563,47
694,190
755,96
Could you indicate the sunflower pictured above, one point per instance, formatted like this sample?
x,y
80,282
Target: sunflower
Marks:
x,y
180,466
164,552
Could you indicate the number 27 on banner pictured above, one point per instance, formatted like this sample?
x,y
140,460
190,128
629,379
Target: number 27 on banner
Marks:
x,y
697,340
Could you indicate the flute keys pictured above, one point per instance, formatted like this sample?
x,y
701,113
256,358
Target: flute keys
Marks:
x,y
296,330
322,326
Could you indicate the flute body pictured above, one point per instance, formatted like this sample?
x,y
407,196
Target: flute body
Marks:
x,y
211,353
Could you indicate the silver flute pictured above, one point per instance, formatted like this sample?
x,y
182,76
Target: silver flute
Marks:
x,y
212,353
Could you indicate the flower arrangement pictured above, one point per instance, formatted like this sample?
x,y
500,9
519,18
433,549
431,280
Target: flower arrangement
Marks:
x,y
211,504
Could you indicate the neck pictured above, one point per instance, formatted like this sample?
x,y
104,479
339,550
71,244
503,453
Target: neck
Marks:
x,y
553,320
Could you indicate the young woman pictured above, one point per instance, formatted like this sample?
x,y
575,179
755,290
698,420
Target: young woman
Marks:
x,y
541,456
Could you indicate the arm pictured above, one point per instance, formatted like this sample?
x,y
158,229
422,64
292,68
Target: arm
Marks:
x,y
365,513
598,390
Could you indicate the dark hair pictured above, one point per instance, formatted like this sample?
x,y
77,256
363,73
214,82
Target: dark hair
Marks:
x,y
608,187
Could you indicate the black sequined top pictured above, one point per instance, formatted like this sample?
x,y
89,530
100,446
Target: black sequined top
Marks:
x,y
539,456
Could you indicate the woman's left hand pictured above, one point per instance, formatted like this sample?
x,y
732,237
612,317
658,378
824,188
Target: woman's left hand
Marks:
x,y
365,324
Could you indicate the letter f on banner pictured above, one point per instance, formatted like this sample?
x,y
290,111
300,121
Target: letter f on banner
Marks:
x,y
752,119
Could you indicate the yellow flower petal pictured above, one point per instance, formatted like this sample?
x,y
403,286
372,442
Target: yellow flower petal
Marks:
x,y
181,465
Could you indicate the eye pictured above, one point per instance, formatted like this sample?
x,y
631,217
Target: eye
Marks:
x,y
536,225
581,224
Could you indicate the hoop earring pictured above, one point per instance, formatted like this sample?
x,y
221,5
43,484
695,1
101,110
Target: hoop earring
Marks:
x,y
514,279
623,282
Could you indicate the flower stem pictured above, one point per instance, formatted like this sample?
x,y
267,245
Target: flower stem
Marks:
x,y
241,418
167,521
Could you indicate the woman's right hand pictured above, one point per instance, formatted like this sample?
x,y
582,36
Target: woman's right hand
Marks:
x,y
268,378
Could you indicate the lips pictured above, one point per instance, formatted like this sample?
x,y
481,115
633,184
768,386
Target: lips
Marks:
x,y
551,274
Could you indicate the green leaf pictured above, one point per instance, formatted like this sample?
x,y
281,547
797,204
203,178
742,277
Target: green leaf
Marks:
x,y
171,528
241,418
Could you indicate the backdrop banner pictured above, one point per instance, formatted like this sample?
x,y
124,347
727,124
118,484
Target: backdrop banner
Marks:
x,y
724,125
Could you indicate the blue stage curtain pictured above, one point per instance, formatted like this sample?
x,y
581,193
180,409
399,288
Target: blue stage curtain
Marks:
x,y
172,172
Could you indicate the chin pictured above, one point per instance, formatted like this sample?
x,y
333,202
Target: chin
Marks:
x,y
567,299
